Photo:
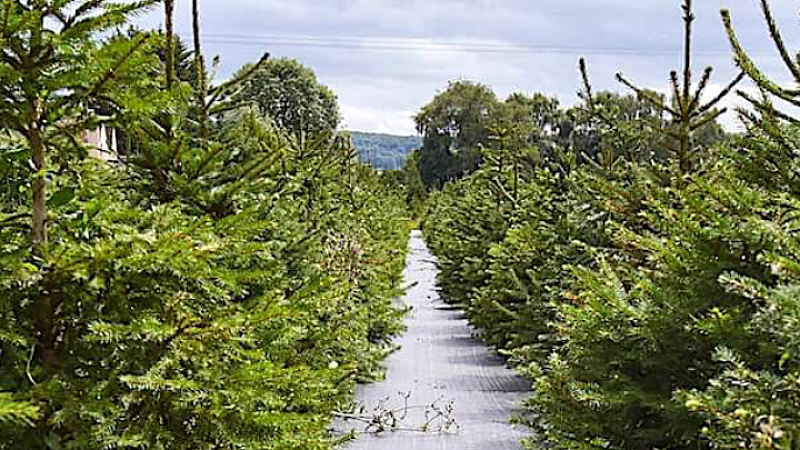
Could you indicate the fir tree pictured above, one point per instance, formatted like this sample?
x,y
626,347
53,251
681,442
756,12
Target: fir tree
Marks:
x,y
54,72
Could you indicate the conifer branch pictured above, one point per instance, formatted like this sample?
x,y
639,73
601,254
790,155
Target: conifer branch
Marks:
x,y
747,65
775,34
707,119
701,88
87,7
218,91
721,96
749,68
200,73
604,116
587,85
112,72
62,105
647,96
676,92
766,107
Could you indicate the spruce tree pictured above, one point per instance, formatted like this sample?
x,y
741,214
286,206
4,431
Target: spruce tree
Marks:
x,y
688,110
753,402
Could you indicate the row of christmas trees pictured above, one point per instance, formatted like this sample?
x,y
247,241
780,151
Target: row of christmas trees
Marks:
x,y
655,302
223,286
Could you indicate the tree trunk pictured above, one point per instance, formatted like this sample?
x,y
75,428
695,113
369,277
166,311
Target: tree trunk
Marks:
x,y
169,12
200,73
36,144
39,226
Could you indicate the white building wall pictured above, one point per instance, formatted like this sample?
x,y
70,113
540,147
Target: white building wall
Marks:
x,y
102,142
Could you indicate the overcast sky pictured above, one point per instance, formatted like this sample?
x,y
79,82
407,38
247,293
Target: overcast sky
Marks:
x,y
387,58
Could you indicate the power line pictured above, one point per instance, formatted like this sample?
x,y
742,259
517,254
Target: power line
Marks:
x,y
397,42
420,45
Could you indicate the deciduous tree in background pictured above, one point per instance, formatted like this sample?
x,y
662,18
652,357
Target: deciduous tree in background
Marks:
x,y
290,94
454,125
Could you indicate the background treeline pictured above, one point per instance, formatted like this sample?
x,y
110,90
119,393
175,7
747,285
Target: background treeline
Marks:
x,y
467,117
642,270
223,286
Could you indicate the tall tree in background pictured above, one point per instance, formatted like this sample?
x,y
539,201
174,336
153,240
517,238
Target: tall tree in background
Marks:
x,y
290,94
454,125
538,122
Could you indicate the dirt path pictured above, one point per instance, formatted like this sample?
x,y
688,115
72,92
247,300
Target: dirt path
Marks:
x,y
441,359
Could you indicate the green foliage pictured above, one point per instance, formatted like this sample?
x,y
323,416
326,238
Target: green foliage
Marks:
x,y
607,128
644,323
753,402
288,93
14,171
225,286
245,330
58,79
453,126
463,222
55,68
642,274
604,288
16,413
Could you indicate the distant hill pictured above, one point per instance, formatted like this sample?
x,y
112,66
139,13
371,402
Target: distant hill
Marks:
x,y
384,151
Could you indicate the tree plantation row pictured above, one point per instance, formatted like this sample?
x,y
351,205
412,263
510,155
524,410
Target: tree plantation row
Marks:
x,y
640,267
192,264
222,285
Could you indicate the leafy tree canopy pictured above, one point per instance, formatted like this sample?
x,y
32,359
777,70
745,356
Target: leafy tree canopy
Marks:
x,y
290,94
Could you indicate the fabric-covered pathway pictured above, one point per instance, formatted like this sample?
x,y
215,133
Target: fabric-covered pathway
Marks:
x,y
440,359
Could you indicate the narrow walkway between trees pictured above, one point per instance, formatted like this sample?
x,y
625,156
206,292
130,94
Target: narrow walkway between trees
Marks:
x,y
441,360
